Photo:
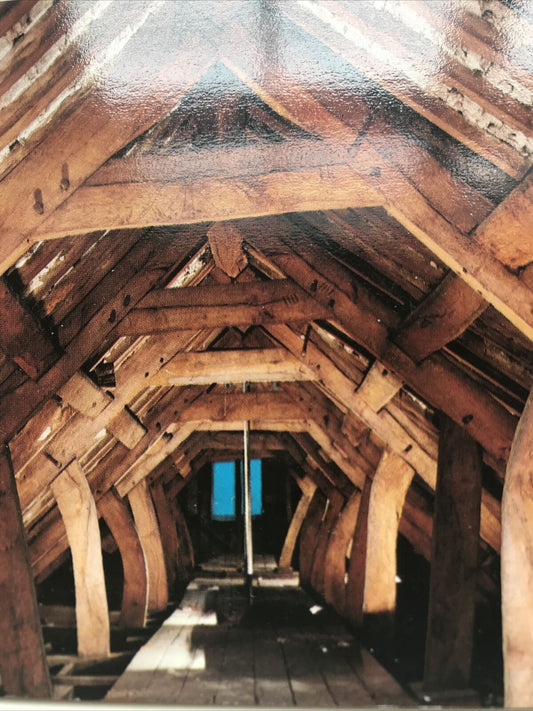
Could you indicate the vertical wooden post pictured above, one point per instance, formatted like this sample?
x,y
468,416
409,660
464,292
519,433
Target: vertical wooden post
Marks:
x,y
78,510
135,590
335,563
387,495
186,550
167,527
287,551
517,565
146,523
308,534
355,587
328,524
22,658
454,560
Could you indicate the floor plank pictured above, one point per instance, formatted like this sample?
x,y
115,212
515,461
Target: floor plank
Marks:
x,y
276,650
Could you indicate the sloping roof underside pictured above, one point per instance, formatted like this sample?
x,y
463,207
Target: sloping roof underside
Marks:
x,y
335,194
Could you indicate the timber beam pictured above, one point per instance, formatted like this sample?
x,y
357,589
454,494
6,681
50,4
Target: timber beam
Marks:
x,y
22,661
22,339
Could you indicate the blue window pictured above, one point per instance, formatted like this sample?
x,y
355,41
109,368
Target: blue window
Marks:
x,y
223,502
256,487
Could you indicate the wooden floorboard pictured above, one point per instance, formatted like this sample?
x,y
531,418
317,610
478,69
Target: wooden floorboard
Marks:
x,y
277,650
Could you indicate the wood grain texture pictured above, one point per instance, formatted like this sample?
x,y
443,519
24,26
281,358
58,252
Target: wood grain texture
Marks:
x,y
389,487
167,528
454,561
440,318
289,544
135,589
149,534
22,339
22,660
517,566
335,568
78,510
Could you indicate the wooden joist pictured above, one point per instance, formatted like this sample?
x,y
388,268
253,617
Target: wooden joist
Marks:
x,y
83,158
226,248
145,322
436,379
506,232
84,396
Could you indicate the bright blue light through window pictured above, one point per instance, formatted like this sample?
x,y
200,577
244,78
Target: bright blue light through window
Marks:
x,y
223,502
256,487
224,489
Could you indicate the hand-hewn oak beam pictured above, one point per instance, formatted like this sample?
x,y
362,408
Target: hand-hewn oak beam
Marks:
x,y
308,533
78,510
18,405
507,231
335,574
279,302
293,531
322,541
21,338
126,205
454,561
84,396
386,427
167,528
149,534
439,318
517,566
437,380
241,406
226,248
22,660
389,487
230,366
355,587
475,264
106,132
135,588
379,386
228,162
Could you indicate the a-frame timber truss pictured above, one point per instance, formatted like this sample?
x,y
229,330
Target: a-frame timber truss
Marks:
x,y
328,200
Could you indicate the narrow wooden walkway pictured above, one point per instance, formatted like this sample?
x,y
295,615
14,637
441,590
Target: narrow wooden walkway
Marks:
x,y
217,649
